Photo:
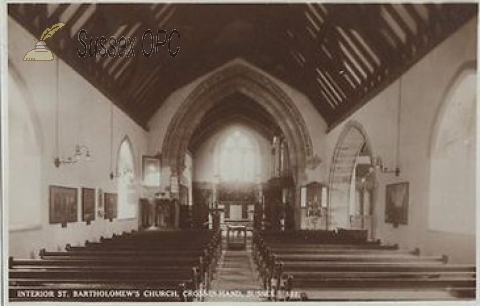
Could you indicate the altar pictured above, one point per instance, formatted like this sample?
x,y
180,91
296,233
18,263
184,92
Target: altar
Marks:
x,y
236,237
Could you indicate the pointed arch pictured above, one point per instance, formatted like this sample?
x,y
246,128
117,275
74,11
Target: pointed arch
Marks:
x,y
126,141
126,181
351,141
237,78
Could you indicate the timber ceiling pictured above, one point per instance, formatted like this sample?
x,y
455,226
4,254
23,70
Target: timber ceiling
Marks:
x,y
338,55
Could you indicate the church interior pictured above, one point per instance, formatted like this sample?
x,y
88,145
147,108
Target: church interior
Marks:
x,y
244,152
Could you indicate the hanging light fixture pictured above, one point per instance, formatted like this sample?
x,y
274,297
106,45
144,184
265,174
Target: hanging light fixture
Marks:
x,y
120,173
378,165
80,150
377,162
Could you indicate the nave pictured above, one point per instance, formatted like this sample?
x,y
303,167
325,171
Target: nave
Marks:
x,y
273,266
288,151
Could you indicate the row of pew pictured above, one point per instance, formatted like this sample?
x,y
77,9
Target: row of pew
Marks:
x,y
330,266
153,266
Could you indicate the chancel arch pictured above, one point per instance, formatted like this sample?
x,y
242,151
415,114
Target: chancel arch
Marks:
x,y
452,158
352,181
235,79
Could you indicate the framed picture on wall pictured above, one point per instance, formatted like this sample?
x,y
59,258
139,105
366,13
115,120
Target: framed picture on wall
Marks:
x,y
88,204
151,168
63,205
396,203
110,206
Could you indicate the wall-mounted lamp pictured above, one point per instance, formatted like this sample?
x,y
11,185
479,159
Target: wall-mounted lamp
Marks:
x,y
79,152
118,173
378,164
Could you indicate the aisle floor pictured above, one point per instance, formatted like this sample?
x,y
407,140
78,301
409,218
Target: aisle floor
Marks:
x,y
236,278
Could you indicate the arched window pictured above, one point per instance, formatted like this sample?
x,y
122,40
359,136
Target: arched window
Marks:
x,y
24,162
127,193
452,164
238,158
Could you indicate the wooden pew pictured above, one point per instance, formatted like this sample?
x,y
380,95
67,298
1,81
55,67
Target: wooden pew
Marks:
x,y
266,257
122,263
327,270
360,257
143,264
28,275
437,285
339,250
199,258
138,243
278,264
373,267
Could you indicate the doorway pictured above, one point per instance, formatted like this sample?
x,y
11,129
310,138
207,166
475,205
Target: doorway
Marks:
x,y
352,182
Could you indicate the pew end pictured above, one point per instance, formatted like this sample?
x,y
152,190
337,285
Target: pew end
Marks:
x,y
196,278
289,287
303,297
181,289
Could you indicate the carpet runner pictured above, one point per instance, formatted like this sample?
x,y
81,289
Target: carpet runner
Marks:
x,y
236,279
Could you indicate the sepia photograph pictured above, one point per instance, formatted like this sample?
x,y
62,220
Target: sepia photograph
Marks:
x,y
240,152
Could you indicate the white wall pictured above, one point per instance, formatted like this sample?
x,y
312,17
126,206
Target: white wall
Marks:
x,y
453,151
423,92
84,115
25,153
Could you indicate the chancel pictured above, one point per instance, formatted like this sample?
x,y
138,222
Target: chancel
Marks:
x,y
286,152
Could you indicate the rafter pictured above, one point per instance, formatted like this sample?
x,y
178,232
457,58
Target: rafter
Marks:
x,y
338,55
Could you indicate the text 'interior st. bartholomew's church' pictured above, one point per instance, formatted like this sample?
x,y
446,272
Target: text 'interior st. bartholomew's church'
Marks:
x,y
241,152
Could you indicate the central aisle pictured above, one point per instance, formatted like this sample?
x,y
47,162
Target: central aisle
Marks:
x,y
236,272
